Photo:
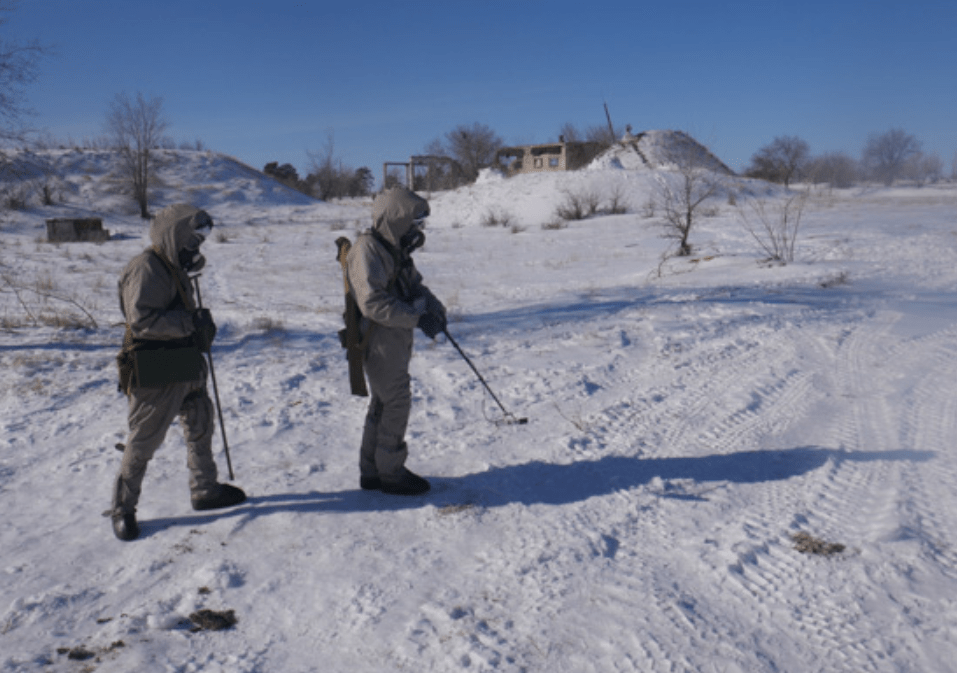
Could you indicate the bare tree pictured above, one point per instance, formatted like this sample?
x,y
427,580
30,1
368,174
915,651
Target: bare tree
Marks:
x,y
775,227
330,178
604,136
780,161
570,133
19,67
473,147
924,168
886,154
835,168
136,128
680,193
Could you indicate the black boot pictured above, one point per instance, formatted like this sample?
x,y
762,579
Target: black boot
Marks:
x,y
404,483
124,525
370,483
227,496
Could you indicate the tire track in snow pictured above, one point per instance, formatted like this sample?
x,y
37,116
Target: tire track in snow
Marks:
x,y
848,497
866,425
726,393
726,398
930,424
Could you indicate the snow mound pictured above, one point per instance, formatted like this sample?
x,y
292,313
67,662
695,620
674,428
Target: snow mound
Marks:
x,y
659,149
82,177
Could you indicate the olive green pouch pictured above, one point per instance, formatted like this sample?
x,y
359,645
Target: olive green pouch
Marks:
x,y
155,368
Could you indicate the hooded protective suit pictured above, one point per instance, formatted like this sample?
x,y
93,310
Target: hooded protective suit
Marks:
x,y
392,298
156,298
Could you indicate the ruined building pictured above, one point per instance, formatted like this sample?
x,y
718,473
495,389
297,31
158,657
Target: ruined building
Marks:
x,y
560,156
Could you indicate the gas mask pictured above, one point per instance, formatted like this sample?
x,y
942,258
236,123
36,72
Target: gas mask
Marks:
x,y
190,258
414,238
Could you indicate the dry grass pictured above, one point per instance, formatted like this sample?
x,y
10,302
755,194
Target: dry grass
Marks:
x,y
555,224
808,544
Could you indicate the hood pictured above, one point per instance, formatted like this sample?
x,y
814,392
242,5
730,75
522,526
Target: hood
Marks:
x,y
394,210
173,228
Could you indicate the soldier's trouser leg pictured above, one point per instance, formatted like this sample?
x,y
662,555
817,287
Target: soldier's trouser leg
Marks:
x,y
196,417
370,434
151,412
387,371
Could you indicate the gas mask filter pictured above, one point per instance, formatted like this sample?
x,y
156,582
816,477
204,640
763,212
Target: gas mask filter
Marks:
x,y
414,238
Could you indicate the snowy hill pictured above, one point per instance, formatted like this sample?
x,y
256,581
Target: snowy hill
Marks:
x,y
690,424
91,179
654,150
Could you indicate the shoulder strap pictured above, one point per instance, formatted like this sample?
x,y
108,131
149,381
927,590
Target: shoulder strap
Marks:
x,y
399,262
176,280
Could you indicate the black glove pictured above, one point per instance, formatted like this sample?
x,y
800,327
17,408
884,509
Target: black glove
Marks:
x,y
432,324
205,329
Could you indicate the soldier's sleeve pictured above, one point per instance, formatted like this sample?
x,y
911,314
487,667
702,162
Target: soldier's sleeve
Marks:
x,y
369,275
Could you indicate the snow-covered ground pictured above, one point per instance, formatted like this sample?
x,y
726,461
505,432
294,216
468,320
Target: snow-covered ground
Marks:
x,y
687,421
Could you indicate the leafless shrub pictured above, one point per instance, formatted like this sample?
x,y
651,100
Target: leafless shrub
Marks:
x,y
555,224
43,303
496,217
575,419
617,201
681,197
775,227
47,196
16,196
578,205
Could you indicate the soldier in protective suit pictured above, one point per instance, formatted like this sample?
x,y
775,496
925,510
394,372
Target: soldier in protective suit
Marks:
x,y
162,370
393,301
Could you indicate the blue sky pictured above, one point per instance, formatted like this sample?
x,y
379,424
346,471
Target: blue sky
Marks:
x,y
267,80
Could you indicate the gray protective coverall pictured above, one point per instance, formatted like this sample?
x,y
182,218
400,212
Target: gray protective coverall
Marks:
x,y
156,298
390,294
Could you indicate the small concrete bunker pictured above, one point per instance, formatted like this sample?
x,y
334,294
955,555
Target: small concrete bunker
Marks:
x,y
70,230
